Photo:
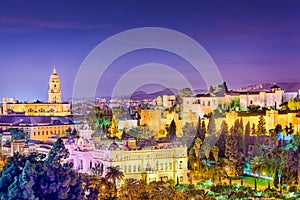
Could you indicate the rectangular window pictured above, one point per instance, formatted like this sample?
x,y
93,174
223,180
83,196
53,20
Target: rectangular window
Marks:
x,y
180,165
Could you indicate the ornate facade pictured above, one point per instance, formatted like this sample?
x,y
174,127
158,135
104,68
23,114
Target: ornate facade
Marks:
x,y
54,93
150,162
54,106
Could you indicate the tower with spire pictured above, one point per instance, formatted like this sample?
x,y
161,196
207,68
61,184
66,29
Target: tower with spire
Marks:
x,y
54,92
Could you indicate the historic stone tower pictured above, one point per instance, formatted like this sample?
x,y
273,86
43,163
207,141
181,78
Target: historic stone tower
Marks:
x,y
54,93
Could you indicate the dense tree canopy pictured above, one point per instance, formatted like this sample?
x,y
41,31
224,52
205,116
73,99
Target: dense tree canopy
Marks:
x,y
294,104
34,177
17,134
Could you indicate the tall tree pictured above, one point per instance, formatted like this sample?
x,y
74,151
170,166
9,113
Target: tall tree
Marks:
x,y
234,157
189,135
211,128
215,150
159,192
57,153
261,130
33,177
253,129
276,178
257,165
18,134
185,92
171,131
246,139
115,174
261,126
201,129
221,143
130,189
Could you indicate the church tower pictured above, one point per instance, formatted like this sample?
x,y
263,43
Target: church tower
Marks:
x,y
54,93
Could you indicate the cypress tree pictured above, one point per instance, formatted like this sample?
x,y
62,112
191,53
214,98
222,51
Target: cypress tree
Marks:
x,y
246,139
276,178
221,143
172,131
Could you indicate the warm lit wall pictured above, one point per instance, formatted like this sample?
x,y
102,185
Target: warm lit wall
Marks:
x,y
42,132
38,109
152,118
272,118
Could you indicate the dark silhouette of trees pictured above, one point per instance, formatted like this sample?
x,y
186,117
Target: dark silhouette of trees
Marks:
x,y
171,131
221,143
17,134
235,148
261,126
201,129
114,174
246,139
34,177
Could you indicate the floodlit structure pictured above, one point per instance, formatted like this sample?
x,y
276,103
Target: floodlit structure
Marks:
x,y
54,106
146,159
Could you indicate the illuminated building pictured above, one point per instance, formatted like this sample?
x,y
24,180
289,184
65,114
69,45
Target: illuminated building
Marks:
x,y
38,127
205,103
147,160
54,106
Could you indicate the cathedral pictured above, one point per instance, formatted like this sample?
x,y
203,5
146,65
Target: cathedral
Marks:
x,y
54,106
54,92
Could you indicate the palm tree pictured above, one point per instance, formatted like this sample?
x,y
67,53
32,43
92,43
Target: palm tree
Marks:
x,y
114,174
205,196
205,149
257,164
215,150
159,192
197,146
176,194
94,187
130,189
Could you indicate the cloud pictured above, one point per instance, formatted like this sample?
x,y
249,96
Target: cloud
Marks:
x,y
19,24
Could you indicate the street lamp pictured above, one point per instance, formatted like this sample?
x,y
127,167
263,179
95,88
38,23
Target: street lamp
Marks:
x,y
195,165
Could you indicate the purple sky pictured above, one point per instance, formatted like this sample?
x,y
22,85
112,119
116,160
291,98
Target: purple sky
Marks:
x,y
250,41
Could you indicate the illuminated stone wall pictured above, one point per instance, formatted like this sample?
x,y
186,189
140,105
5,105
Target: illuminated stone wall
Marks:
x,y
41,132
272,118
38,109
152,118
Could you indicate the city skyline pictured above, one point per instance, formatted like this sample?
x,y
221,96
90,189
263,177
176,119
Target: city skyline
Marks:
x,y
256,38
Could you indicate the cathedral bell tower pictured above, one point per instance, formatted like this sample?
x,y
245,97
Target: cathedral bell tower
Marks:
x,y
54,93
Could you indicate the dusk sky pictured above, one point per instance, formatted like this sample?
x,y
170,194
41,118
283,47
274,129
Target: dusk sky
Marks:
x,y
250,41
